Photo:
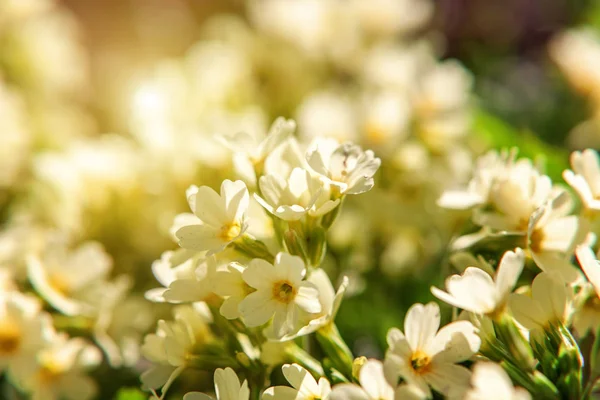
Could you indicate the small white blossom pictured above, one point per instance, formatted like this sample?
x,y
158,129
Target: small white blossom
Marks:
x,y
280,293
425,357
547,304
373,385
585,177
590,265
304,386
221,218
477,292
300,194
345,166
227,387
230,284
491,382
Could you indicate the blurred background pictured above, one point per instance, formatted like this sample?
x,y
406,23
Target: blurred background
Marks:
x,y
109,110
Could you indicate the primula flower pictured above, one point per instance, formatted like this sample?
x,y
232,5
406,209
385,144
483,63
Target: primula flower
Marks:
x,y
59,371
280,293
345,166
227,387
373,385
304,386
230,284
291,199
170,348
198,287
552,235
477,292
585,177
590,265
24,329
491,382
65,278
547,304
221,218
425,357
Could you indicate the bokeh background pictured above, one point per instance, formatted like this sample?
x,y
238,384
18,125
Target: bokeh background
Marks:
x,y
102,103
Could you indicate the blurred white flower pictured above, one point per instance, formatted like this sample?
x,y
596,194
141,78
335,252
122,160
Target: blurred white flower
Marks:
x,y
227,387
477,292
280,293
585,177
344,166
425,357
174,342
59,371
491,382
327,114
300,194
304,386
221,218
590,265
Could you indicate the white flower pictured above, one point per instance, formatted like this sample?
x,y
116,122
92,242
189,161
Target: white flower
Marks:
x,y
327,114
198,287
172,265
24,329
172,344
280,293
227,387
291,199
373,385
221,218
548,303
488,168
60,371
65,278
425,357
475,291
345,166
552,234
491,382
585,177
590,265
230,284
304,386
330,304
514,196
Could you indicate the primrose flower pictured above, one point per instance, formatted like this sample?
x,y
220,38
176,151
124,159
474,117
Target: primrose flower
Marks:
x,y
221,218
585,177
280,293
227,387
373,385
477,292
344,166
304,386
491,382
425,357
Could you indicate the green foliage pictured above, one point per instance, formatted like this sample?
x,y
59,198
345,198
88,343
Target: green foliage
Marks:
x,y
130,394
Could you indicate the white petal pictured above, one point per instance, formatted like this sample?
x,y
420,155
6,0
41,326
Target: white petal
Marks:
x,y
421,324
509,270
236,197
257,308
348,391
199,237
456,342
210,207
446,378
590,265
307,298
300,379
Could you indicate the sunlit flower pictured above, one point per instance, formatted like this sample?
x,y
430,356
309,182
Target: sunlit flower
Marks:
x,y
425,357
585,177
491,382
280,293
227,387
221,218
300,194
304,386
590,265
547,304
59,371
373,385
477,292
345,166
230,284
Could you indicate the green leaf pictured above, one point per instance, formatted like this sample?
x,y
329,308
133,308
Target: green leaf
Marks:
x,y
131,394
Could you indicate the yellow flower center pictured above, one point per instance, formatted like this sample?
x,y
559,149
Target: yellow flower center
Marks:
x,y
50,371
10,338
230,231
420,362
284,292
536,240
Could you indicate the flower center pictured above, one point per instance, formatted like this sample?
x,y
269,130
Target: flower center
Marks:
x,y
536,240
420,362
284,292
10,338
50,371
230,231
